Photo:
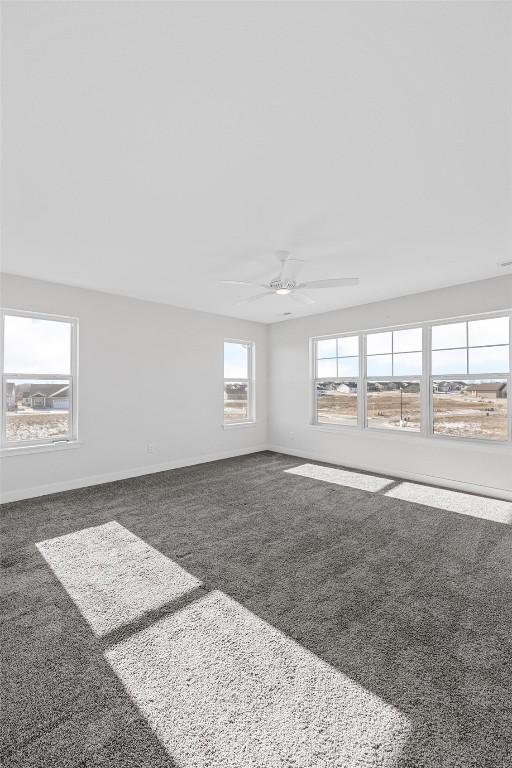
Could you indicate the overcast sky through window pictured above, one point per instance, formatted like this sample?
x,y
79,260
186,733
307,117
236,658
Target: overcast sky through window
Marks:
x,y
33,345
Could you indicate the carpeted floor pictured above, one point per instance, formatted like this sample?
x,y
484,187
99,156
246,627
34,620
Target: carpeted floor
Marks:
x,y
237,614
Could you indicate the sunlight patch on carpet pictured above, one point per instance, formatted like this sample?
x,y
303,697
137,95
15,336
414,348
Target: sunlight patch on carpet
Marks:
x,y
221,687
454,501
113,576
341,477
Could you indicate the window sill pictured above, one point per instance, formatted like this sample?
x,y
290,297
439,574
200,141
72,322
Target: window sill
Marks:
x,y
44,448
350,428
239,424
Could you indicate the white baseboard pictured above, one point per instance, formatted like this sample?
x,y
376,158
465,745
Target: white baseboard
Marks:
x,y
443,482
109,477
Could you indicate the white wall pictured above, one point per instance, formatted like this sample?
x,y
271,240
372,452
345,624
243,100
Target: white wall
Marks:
x,y
473,466
142,362
148,373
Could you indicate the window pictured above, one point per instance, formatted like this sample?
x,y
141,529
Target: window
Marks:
x,y
336,380
469,396
394,364
238,382
456,386
39,379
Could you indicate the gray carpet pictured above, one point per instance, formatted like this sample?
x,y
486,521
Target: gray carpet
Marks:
x,y
235,614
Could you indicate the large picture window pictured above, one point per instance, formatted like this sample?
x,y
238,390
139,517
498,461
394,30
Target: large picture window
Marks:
x,y
238,382
38,380
448,379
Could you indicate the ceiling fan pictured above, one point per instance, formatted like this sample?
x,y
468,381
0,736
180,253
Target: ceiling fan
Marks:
x,y
285,284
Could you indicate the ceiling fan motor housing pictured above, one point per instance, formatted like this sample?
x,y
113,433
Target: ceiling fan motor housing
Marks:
x,y
278,285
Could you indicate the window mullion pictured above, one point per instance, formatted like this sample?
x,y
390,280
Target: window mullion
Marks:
x,y
425,387
3,438
467,347
361,404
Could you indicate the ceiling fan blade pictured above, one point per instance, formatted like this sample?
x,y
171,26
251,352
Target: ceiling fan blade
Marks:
x,y
301,299
335,282
255,298
290,270
242,282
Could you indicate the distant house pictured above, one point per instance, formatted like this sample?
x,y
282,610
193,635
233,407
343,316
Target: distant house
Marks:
x,y
347,389
410,386
328,387
393,386
448,386
235,391
46,396
490,391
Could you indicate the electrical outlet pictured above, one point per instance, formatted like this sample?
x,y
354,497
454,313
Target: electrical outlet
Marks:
x,y
150,448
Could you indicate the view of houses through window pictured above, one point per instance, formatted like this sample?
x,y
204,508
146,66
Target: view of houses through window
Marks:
x,y
458,389
238,385
38,380
464,408
467,404
337,373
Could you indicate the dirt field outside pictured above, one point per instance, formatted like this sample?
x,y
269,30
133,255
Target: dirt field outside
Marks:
x,y
394,410
235,410
36,425
459,414
455,413
337,408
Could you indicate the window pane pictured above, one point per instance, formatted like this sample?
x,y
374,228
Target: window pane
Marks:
x,y
494,330
326,348
236,404
348,346
471,409
489,359
379,365
408,340
449,361
235,360
326,368
38,409
407,364
336,403
348,366
32,345
378,343
394,405
449,336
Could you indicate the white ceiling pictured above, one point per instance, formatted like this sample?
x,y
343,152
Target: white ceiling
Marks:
x,y
153,149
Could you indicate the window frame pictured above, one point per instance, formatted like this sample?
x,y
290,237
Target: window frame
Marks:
x,y
425,380
419,377
337,379
471,377
250,380
71,437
